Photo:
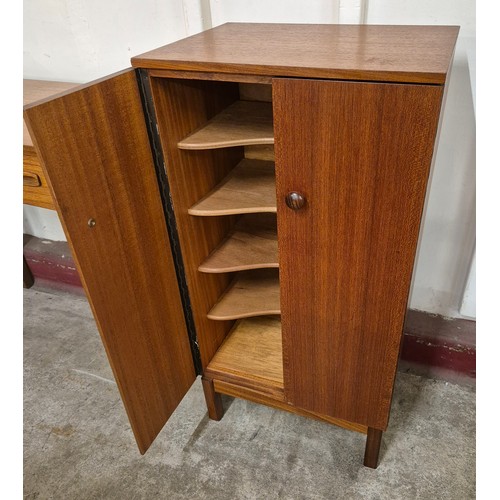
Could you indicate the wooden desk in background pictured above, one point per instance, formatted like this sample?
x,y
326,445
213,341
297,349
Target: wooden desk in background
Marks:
x,y
35,189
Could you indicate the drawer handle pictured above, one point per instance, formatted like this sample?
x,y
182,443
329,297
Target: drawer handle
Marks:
x,y
295,200
31,180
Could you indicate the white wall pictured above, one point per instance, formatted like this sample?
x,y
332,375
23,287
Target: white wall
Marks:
x,y
276,11
80,40
42,223
448,234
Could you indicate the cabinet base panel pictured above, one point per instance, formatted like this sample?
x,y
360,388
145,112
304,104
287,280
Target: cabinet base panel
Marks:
x,y
257,397
251,357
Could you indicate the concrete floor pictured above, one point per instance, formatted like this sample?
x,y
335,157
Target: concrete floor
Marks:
x,y
78,444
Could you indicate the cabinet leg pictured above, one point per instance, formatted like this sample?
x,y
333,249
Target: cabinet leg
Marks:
x,y
373,440
213,399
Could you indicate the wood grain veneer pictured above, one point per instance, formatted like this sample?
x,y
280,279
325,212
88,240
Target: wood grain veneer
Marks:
x,y
360,153
105,172
250,187
253,244
240,124
252,293
181,107
418,54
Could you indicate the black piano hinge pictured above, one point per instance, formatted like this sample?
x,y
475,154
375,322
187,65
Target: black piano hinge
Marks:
x,y
164,187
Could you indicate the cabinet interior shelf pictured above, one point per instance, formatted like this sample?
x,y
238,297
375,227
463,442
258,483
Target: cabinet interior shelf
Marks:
x,y
252,293
249,188
243,123
252,353
253,244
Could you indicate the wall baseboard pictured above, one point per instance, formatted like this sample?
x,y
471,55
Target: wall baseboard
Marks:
x,y
51,262
442,343
432,345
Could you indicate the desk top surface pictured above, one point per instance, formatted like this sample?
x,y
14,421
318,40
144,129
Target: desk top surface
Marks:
x,y
34,90
418,54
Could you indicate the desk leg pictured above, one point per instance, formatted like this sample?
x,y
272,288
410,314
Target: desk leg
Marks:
x,y
27,276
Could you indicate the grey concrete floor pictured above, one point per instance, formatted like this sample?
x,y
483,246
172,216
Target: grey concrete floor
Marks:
x,y
78,444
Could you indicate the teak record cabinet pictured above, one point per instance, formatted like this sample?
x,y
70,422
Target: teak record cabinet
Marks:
x,y
245,205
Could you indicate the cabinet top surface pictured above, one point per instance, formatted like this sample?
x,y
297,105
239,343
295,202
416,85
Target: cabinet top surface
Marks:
x,y
420,54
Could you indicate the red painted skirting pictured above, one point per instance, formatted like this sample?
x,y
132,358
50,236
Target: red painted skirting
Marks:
x,y
51,261
429,340
432,340
435,352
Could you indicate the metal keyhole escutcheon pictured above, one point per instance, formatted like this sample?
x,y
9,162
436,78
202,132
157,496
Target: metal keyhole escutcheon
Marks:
x,y
295,200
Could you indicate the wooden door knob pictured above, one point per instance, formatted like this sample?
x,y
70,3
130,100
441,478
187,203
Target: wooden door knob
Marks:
x,y
295,200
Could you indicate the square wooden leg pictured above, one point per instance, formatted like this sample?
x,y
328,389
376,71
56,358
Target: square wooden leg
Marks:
x,y
213,399
27,276
373,440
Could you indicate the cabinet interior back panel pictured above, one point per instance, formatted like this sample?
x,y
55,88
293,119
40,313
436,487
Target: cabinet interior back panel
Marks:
x,y
360,153
182,106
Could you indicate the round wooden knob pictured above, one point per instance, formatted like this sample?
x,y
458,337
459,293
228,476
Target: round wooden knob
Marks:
x,y
295,200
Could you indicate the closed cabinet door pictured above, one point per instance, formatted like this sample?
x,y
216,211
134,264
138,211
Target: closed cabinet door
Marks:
x,y
352,164
95,153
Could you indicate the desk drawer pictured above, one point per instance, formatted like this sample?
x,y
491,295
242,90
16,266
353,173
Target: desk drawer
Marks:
x,y
35,189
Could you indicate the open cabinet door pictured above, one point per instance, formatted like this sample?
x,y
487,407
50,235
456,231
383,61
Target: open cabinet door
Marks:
x,y
94,149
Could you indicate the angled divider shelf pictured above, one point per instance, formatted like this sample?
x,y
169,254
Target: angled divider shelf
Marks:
x,y
243,123
249,188
252,244
252,293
